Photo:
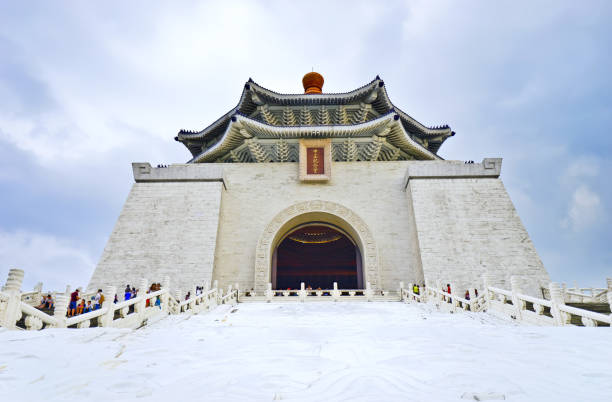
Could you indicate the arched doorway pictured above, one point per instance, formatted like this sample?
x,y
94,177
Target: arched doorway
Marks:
x,y
315,211
317,254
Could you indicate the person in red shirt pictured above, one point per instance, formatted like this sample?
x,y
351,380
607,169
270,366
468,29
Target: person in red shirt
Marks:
x,y
74,297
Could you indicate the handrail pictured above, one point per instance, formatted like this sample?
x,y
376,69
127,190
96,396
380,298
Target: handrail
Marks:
x,y
586,313
198,297
500,291
86,316
535,300
33,311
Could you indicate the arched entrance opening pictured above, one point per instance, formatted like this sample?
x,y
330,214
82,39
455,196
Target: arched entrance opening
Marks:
x,y
310,212
318,254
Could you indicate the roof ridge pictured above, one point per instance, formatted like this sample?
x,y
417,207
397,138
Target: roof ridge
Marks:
x,y
251,82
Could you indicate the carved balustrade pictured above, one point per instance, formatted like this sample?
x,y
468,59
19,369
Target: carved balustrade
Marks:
x,y
311,295
16,308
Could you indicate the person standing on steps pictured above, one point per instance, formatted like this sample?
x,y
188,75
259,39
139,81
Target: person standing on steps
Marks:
x,y
74,297
98,299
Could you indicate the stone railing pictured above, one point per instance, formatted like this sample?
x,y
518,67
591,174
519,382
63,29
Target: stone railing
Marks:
x,y
536,311
205,301
17,310
443,300
313,295
34,297
585,295
581,295
516,305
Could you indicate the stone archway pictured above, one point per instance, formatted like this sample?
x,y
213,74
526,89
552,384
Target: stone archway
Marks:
x,y
322,211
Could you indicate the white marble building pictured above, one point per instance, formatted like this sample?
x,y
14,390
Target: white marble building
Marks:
x,y
319,188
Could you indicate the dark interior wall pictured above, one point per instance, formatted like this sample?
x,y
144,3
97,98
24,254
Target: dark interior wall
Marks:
x,y
318,265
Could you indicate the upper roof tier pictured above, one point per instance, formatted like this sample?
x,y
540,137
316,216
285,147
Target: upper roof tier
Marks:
x,y
364,115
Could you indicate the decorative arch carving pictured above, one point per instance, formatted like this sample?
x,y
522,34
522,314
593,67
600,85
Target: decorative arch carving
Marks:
x,y
347,219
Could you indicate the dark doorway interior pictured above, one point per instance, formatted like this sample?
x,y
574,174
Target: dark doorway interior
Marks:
x,y
317,255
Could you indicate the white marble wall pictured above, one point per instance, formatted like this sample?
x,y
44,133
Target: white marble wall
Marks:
x,y
468,227
165,228
256,193
182,220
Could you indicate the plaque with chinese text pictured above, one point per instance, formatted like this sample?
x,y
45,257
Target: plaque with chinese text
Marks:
x,y
315,161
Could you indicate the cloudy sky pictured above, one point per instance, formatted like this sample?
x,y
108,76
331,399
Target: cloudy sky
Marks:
x,y
86,89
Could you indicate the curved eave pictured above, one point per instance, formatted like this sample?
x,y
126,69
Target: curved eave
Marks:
x,y
412,122
242,127
381,102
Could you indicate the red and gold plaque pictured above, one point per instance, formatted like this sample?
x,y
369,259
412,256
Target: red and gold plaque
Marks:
x,y
315,159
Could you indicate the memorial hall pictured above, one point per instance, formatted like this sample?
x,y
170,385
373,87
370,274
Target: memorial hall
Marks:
x,y
318,188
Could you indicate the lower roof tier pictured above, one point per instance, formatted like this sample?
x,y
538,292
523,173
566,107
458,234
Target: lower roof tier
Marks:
x,y
248,140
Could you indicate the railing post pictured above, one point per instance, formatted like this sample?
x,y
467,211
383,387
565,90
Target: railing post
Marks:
x,y
165,298
302,292
211,297
106,320
177,298
269,293
38,292
474,304
60,309
556,298
486,282
439,287
11,313
519,305
609,294
139,307
407,292
229,292
205,303
219,295
336,292
427,291
368,292
194,292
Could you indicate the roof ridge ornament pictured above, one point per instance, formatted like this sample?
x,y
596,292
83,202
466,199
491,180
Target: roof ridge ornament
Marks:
x,y
313,83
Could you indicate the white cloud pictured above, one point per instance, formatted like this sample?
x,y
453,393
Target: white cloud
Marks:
x,y
583,167
54,261
163,71
584,211
85,89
